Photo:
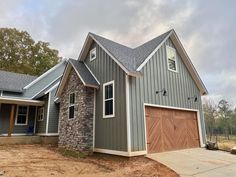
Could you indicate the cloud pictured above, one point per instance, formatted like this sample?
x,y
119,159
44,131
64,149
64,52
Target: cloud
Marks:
x,y
206,29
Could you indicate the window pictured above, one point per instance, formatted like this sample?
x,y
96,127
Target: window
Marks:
x,y
171,58
22,115
72,106
108,100
93,54
40,114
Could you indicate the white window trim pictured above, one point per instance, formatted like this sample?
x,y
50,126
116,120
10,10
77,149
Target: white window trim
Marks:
x,y
113,97
39,120
70,106
90,54
27,115
176,65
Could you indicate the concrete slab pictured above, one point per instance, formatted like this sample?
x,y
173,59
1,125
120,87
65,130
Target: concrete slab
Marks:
x,y
198,162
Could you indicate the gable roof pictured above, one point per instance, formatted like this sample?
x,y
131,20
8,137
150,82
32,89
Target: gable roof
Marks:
x,y
45,74
14,82
83,73
127,58
132,60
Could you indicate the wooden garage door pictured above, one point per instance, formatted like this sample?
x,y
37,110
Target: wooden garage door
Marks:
x,y
170,129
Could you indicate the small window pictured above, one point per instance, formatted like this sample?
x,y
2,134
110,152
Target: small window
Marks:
x,y
171,58
93,54
22,115
108,100
72,106
40,114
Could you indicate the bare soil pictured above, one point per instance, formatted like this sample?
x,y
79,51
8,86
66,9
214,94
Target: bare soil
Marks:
x,y
41,161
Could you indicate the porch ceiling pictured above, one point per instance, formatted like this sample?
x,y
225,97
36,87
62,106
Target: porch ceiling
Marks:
x,y
21,101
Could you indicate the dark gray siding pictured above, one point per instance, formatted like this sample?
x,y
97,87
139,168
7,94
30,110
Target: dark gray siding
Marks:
x,y
41,125
156,76
53,114
110,133
17,129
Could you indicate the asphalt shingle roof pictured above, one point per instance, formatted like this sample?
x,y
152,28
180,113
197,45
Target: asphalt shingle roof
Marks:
x,y
84,72
130,58
14,82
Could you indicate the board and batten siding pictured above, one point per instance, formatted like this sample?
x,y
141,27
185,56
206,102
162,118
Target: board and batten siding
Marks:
x,y
156,76
110,133
17,129
53,113
41,125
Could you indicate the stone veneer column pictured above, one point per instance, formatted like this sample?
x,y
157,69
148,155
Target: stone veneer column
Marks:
x,y
76,133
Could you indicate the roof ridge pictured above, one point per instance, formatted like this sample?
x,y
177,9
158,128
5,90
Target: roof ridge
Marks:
x,y
22,74
109,40
163,34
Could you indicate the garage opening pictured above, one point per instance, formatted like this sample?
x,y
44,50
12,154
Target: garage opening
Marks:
x,y
171,129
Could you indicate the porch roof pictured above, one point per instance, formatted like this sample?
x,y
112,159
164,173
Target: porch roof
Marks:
x,y
9,100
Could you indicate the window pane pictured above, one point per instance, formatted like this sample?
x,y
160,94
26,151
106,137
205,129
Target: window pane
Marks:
x,y
108,91
72,98
109,107
172,64
21,119
22,110
71,112
93,54
170,53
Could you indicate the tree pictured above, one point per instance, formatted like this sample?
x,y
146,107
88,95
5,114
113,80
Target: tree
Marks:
x,y
20,53
225,113
210,111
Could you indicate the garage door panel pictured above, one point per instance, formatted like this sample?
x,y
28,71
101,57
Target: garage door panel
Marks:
x,y
169,129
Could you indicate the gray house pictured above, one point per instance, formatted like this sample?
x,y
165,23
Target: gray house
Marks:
x,y
27,103
131,101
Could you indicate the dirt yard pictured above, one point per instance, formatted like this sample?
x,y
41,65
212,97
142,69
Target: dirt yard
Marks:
x,y
36,160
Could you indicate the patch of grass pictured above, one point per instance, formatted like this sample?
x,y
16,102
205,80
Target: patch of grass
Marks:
x,y
72,153
224,143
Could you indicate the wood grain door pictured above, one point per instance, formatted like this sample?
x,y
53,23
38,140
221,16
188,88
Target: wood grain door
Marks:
x,y
170,129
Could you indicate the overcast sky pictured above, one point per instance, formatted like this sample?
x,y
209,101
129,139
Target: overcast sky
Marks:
x,y
207,29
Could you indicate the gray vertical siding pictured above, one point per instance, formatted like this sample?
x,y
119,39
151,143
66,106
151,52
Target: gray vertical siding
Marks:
x,y
53,114
110,133
17,129
41,125
156,76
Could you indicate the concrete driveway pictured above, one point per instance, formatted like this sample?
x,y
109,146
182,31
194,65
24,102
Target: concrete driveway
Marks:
x,y
198,162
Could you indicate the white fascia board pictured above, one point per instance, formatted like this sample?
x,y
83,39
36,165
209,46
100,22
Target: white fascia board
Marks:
x,y
154,51
43,75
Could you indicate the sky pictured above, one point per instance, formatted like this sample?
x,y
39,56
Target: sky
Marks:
x,y
207,30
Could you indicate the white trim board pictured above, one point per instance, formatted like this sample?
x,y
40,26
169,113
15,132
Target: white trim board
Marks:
x,y
46,87
120,153
128,114
52,88
92,73
16,134
153,52
94,117
43,75
88,42
47,134
65,77
185,58
27,115
113,99
48,111
21,101
176,108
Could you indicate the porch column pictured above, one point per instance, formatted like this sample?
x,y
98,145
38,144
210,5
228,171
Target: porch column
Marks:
x,y
11,120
